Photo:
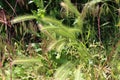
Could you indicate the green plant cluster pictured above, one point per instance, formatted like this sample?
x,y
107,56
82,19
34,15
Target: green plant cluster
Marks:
x,y
60,40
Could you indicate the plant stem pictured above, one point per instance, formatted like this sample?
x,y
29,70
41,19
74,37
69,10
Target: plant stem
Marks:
x,y
98,20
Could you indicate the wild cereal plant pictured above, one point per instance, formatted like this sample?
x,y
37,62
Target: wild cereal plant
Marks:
x,y
64,51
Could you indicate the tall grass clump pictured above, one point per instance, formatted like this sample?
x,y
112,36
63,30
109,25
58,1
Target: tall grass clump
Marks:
x,y
83,50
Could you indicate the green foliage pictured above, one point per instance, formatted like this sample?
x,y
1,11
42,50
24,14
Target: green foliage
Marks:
x,y
86,49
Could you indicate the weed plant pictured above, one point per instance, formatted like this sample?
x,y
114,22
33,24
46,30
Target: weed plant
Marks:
x,y
77,42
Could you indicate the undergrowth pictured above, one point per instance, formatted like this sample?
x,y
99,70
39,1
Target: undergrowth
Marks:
x,y
60,40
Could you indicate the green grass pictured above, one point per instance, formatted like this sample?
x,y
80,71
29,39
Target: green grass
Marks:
x,y
72,51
